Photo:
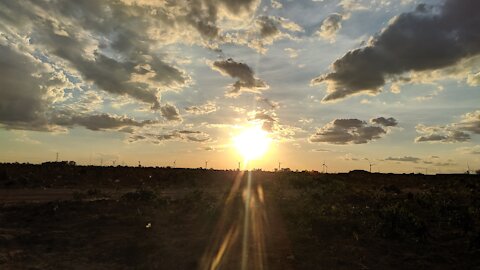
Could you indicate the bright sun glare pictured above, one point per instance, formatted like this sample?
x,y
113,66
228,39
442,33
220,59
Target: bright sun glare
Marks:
x,y
252,143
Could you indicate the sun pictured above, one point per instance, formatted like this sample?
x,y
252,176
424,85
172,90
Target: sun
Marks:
x,y
252,143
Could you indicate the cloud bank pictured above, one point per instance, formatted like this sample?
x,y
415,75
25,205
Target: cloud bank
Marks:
x,y
429,38
451,133
350,131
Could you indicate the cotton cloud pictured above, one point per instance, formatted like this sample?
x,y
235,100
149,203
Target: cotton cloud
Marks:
x,y
206,108
264,31
386,122
292,53
428,38
445,134
245,75
474,79
470,122
348,131
330,26
451,133
170,112
276,4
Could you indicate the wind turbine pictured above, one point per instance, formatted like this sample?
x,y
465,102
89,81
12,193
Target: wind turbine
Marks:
x,y
174,163
370,164
206,164
279,163
468,169
325,167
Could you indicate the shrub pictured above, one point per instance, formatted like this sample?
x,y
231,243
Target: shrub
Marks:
x,y
397,222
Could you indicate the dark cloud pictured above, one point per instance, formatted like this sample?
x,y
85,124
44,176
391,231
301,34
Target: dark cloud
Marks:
x,y
446,136
98,122
269,122
451,133
444,164
170,112
268,26
348,131
179,135
404,159
28,88
263,116
270,29
428,38
238,7
189,131
24,90
386,122
72,30
114,44
439,164
245,75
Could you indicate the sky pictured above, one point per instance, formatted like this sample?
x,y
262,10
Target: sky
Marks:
x,y
346,83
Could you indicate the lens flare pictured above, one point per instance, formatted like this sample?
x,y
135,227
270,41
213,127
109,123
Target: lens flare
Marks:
x,y
252,143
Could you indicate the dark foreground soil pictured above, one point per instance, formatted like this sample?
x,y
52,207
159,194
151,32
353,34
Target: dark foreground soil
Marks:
x,y
71,217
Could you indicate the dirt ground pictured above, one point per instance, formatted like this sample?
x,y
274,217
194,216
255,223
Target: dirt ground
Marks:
x,y
161,218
